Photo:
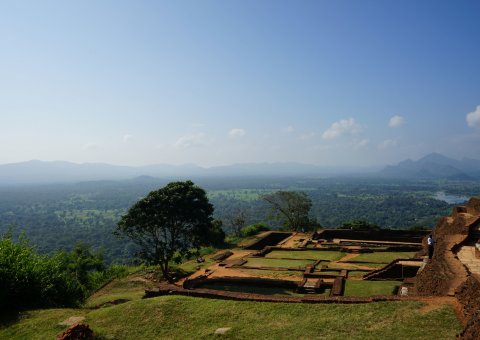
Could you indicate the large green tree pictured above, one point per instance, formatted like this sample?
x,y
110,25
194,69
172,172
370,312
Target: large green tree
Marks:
x,y
170,221
292,208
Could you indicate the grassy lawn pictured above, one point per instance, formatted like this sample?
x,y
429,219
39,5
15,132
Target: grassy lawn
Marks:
x,y
346,265
384,257
356,273
374,265
368,288
274,274
179,317
118,289
39,324
251,289
190,266
306,254
279,263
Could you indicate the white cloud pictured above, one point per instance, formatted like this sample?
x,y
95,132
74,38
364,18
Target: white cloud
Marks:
x,y
90,146
197,125
306,136
234,133
473,118
127,138
191,141
360,144
288,129
388,143
344,126
396,121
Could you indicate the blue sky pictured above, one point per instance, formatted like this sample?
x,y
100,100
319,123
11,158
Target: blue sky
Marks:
x,y
344,83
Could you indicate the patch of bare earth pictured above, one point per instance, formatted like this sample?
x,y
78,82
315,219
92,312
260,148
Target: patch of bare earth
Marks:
x,y
294,240
347,257
435,302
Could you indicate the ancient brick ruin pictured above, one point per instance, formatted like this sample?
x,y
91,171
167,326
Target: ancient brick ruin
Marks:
x,y
271,262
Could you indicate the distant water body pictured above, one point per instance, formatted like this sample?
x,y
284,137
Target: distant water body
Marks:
x,y
450,199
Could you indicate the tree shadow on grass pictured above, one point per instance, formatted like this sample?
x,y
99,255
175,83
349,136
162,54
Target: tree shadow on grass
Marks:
x,y
9,316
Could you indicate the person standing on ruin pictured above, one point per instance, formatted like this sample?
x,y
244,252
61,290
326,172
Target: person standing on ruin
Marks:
x,y
431,244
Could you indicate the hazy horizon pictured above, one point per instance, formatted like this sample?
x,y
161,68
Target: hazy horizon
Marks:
x,y
334,84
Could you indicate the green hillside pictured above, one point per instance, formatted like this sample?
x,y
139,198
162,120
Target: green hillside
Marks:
x,y
179,317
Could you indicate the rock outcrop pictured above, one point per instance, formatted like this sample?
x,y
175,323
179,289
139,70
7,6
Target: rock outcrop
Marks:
x,y
78,331
444,273
468,295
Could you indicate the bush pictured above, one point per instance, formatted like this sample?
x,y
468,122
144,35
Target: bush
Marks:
x,y
30,280
360,225
98,278
253,229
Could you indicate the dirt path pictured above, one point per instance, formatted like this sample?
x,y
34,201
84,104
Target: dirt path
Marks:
x,y
347,257
239,254
343,262
435,302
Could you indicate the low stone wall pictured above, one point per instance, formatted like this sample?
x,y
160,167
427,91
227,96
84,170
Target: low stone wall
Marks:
x,y
269,249
393,270
338,287
222,256
373,235
247,281
225,295
270,239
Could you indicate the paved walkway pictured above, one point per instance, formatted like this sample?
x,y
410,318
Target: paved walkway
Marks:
x,y
466,255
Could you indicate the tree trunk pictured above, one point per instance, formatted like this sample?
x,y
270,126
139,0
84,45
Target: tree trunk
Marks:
x,y
166,275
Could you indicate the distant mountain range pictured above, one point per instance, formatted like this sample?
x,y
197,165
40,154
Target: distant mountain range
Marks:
x,y
433,166
42,172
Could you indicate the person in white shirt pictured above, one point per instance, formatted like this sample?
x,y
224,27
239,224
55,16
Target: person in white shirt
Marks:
x,y
431,244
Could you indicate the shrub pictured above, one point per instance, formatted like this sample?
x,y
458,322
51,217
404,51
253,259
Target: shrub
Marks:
x,y
30,280
253,229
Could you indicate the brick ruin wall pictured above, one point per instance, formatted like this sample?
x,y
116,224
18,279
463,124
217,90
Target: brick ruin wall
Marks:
x,y
166,289
270,239
444,270
372,235
468,294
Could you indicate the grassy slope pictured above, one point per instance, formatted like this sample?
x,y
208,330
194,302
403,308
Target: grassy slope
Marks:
x,y
306,254
281,263
368,288
118,289
278,274
252,289
178,317
383,257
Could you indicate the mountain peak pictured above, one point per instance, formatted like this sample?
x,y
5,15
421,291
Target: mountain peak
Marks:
x,y
434,166
437,158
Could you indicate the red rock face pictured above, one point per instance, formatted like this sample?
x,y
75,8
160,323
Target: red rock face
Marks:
x,y
444,273
77,332
468,295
